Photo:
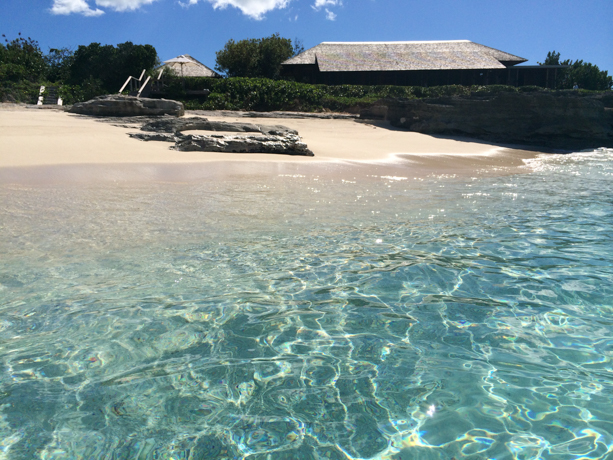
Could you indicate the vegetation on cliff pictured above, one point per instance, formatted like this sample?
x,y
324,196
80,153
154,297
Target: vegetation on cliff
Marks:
x,y
261,94
585,75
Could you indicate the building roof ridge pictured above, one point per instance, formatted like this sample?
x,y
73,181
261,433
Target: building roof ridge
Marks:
x,y
395,42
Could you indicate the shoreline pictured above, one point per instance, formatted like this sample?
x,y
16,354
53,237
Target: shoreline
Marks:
x,y
55,146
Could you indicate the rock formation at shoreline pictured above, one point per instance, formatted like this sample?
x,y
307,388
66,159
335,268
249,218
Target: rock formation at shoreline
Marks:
x,y
278,114
172,125
553,120
127,106
265,139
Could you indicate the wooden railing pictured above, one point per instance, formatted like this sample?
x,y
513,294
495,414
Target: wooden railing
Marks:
x,y
139,88
131,81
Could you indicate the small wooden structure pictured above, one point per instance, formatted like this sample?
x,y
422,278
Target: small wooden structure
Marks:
x,y
415,63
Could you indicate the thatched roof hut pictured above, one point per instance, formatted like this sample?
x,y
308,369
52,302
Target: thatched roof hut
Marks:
x,y
386,56
189,67
425,63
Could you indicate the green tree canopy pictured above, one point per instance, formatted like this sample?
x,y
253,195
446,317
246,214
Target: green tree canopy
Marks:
x,y
21,60
58,63
109,65
584,74
256,57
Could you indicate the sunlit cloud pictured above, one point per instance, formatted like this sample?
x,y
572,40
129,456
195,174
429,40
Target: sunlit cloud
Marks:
x,y
322,3
123,5
319,4
252,8
255,9
74,6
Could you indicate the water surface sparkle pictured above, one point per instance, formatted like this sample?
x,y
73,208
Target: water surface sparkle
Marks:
x,y
302,317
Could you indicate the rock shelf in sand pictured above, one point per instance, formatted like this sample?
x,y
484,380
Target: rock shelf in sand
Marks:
x,y
126,106
275,139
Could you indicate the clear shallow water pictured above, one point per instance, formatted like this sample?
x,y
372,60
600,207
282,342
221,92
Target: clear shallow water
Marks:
x,y
304,317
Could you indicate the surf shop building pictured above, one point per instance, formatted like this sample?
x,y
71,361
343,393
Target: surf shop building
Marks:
x,y
422,63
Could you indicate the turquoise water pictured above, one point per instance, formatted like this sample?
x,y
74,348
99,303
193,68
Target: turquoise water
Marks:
x,y
306,317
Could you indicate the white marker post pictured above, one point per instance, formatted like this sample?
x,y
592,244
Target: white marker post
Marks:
x,y
41,98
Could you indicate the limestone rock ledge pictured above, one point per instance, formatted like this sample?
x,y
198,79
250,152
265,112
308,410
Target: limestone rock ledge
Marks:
x,y
265,139
127,106
558,121
289,144
172,125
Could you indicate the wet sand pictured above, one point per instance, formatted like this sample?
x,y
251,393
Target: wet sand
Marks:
x,y
52,145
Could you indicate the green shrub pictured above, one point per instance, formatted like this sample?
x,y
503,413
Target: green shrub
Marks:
x,y
529,89
493,89
22,91
262,94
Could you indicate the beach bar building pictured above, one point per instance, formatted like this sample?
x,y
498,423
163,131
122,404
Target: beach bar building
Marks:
x,y
414,63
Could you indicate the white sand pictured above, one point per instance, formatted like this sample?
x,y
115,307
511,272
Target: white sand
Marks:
x,y
31,137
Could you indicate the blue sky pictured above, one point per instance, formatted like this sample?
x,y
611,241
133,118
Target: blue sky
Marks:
x,y
578,29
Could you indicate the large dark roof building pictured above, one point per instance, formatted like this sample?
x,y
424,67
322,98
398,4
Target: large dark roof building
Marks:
x,y
423,63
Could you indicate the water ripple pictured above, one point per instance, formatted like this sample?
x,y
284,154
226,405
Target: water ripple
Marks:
x,y
231,320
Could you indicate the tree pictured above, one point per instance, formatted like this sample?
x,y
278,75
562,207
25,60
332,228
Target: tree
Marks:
x,y
131,59
21,60
110,66
584,74
58,63
256,57
552,58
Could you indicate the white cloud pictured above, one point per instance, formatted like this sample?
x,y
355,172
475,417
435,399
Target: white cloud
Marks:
x,y
123,5
254,8
319,4
74,6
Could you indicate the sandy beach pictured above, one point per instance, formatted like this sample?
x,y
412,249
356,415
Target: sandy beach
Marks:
x,y
47,144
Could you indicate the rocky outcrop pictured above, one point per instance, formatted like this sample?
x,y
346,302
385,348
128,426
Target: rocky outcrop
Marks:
x,y
265,139
196,123
289,144
127,106
553,120
277,114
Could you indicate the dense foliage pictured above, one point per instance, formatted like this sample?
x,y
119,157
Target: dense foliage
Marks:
x,y
261,94
111,65
59,62
260,57
21,60
22,67
99,69
90,71
583,74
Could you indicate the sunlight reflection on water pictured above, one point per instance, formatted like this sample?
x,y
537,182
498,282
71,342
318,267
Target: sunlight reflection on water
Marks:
x,y
358,318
